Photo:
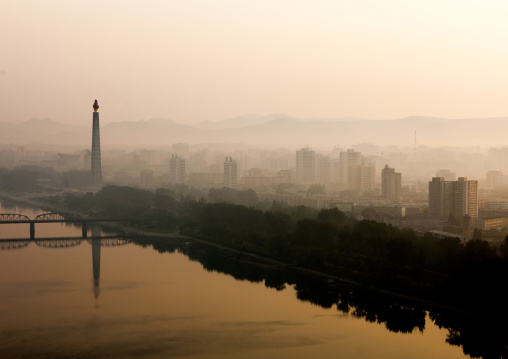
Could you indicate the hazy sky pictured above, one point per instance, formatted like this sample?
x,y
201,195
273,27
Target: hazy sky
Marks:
x,y
196,60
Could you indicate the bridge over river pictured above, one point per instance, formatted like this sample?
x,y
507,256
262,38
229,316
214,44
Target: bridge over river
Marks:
x,y
56,217
64,242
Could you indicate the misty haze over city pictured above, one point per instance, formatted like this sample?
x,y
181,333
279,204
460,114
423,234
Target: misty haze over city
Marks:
x,y
418,147
244,179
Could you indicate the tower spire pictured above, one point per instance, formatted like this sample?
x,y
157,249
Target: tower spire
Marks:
x,y
96,146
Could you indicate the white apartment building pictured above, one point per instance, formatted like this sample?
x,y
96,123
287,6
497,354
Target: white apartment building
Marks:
x,y
230,173
176,170
305,166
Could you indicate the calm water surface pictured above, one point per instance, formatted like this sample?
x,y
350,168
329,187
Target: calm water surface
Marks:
x,y
142,303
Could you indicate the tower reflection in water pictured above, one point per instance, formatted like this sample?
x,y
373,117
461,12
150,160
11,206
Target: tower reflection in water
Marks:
x,y
96,259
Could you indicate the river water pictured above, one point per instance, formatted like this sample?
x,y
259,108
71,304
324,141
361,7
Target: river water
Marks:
x,y
161,299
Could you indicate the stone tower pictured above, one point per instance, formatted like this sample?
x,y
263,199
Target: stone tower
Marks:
x,y
96,145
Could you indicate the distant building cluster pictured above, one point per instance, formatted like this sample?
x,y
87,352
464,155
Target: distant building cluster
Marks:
x,y
350,171
392,185
31,155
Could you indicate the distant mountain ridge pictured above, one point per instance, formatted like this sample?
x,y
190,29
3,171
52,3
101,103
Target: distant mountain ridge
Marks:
x,y
277,130
44,131
241,121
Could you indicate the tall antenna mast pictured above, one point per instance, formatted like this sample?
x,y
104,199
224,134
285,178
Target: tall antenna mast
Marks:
x,y
415,143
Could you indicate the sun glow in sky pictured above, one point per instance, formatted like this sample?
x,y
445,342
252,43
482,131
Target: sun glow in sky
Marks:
x,y
198,60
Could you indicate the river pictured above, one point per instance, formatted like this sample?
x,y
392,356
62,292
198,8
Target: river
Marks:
x,y
156,299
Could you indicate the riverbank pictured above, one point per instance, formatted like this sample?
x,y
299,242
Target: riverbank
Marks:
x,y
27,199
352,278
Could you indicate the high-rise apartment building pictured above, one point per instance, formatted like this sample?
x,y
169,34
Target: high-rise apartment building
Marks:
x,y
230,173
323,169
367,176
466,197
390,184
176,169
335,170
96,145
495,178
147,178
305,166
440,197
335,165
458,198
348,161
361,177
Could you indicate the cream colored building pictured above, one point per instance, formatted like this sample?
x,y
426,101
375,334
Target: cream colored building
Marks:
x,y
177,169
305,166
230,173
390,184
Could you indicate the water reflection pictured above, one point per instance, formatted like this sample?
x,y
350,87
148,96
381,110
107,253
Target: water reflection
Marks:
x,y
14,244
96,260
97,241
484,337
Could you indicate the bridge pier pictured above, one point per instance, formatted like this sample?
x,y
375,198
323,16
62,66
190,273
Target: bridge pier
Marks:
x,y
32,230
84,230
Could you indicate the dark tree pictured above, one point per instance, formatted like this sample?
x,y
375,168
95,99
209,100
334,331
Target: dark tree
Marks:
x,y
503,249
332,216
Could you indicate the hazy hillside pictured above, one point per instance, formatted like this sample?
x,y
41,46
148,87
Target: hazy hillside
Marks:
x,y
241,121
44,131
152,132
272,130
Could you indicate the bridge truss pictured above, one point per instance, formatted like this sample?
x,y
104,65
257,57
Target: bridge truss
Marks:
x,y
53,216
19,244
8,244
109,242
14,217
58,243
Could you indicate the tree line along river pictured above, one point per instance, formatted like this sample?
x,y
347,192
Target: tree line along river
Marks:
x,y
158,298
